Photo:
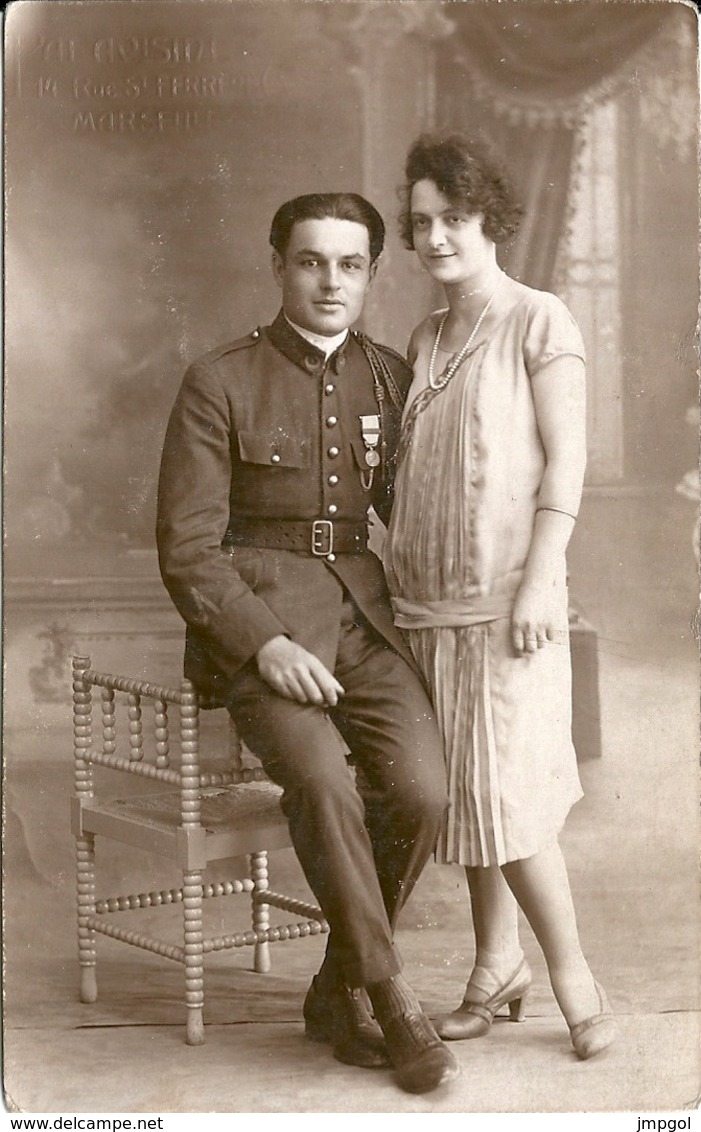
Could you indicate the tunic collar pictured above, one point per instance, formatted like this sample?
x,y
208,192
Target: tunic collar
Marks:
x,y
328,346
304,354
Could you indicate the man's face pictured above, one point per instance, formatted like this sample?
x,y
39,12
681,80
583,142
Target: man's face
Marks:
x,y
325,275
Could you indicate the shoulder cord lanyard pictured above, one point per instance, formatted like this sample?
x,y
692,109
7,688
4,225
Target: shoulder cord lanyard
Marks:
x,y
384,384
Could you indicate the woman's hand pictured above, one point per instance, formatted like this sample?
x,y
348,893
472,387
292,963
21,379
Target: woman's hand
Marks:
x,y
537,615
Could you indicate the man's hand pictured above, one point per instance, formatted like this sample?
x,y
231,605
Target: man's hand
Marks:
x,y
293,672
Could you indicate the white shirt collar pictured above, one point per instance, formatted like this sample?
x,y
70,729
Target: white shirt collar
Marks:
x,y
327,345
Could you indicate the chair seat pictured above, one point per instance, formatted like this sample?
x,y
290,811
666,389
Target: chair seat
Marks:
x,y
234,820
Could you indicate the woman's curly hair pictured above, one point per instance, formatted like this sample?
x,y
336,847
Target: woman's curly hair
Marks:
x,y
468,174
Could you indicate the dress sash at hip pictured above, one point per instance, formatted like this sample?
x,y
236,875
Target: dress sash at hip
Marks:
x,y
451,614
471,609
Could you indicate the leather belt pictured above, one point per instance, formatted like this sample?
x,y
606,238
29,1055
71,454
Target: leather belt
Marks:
x,y
322,538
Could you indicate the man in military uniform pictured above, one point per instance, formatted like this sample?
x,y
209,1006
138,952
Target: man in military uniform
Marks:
x,y
277,445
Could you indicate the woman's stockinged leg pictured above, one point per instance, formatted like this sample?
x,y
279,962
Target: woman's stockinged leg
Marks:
x,y
498,950
541,886
500,976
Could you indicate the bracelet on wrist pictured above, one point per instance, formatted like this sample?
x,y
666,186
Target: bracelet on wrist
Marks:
x,y
559,511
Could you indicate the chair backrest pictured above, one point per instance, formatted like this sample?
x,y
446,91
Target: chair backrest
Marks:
x,y
137,737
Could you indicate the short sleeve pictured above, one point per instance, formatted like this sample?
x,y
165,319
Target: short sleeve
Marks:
x,y
551,333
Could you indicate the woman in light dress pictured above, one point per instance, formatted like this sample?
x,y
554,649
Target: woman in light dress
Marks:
x,y
488,486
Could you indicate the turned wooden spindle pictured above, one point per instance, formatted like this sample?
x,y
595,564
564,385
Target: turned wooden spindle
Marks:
x,y
161,733
192,881
109,722
85,844
260,912
136,737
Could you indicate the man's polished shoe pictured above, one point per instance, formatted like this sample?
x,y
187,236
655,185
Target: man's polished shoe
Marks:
x,y
340,1015
421,1061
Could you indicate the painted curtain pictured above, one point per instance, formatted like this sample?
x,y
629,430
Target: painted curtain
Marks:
x,y
526,75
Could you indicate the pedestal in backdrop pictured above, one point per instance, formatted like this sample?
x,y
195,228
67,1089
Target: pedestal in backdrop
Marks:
x,y
586,711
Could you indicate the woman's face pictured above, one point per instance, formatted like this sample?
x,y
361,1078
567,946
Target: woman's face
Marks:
x,y
448,240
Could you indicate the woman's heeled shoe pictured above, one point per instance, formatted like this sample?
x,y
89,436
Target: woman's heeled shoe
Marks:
x,y
597,1033
473,1019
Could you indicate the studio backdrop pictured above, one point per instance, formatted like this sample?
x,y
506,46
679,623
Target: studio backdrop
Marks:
x,y
148,144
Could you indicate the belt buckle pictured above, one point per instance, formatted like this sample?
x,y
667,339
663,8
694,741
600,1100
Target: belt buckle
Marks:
x,y
322,538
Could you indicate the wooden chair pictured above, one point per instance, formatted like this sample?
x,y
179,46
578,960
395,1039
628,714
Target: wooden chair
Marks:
x,y
203,817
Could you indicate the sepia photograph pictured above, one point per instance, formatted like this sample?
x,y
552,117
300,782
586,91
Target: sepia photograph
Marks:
x,y
350,741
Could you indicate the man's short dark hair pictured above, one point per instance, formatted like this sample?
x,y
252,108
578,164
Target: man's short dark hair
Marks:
x,y
468,173
319,206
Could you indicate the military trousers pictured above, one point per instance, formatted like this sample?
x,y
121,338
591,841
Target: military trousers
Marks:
x,y
364,790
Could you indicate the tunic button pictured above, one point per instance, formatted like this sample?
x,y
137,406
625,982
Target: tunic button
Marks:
x,y
331,421
333,509
333,480
275,458
340,361
328,389
333,452
330,557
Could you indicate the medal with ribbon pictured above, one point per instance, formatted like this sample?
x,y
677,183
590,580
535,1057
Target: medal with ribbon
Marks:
x,y
370,428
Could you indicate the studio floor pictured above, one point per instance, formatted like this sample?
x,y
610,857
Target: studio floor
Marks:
x,y
632,849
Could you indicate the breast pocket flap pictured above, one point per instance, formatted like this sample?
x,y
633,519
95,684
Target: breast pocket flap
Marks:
x,y
274,451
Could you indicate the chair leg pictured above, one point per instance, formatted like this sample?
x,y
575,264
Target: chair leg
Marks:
x,y
260,913
87,953
194,957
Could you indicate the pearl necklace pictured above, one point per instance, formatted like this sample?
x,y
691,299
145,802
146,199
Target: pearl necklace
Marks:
x,y
453,367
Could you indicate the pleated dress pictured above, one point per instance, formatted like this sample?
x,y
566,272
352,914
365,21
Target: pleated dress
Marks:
x,y
467,484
